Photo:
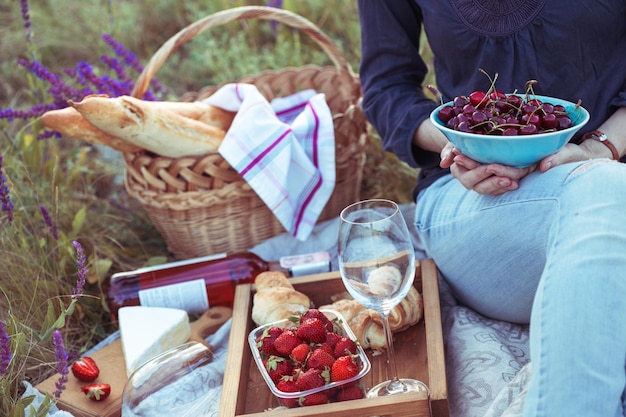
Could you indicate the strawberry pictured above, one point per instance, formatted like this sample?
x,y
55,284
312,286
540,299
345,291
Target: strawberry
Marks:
x,y
300,353
277,367
309,379
314,313
345,346
265,342
316,398
332,338
344,368
96,392
326,347
85,369
351,392
287,384
286,341
312,330
320,359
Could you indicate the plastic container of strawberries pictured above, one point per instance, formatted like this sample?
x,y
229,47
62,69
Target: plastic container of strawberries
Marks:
x,y
341,327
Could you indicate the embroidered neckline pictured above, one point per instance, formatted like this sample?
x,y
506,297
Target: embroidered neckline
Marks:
x,y
497,17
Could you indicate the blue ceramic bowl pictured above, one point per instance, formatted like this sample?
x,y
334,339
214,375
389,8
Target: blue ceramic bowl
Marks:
x,y
516,151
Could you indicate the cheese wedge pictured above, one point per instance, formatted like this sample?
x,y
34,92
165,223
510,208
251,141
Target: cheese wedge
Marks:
x,y
146,332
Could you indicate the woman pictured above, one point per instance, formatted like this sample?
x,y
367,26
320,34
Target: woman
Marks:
x,y
544,244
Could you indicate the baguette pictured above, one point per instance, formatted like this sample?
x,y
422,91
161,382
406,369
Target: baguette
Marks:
x,y
72,125
197,110
150,127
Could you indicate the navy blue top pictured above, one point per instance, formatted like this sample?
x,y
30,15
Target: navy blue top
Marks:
x,y
575,49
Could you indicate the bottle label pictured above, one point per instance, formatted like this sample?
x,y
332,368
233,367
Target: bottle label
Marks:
x,y
190,296
307,264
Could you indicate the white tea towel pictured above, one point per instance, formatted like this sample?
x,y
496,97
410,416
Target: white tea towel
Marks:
x,y
284,149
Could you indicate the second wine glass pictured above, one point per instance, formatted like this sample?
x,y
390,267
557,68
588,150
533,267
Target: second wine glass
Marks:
x,y
377,265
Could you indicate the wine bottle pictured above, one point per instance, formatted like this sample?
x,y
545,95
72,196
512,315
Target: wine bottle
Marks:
x,y
195,285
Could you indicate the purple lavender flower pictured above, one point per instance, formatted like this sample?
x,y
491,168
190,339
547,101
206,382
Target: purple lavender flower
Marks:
x,y
275,3
5,199
82,270
26,19
5,350
59,89
129,58
80,81
278,4
131,61
48,220
62,363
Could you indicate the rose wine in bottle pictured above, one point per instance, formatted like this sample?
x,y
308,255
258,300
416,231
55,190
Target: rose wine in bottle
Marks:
x,y
195,285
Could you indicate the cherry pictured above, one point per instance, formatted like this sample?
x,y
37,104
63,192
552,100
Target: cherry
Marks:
x,y
549,121
515,100
478,98
510,131
529,108
531,118
547,108
460,101
497,95
463,117
469,109
563,122
495,113
464,127
479,117
446,113
529,129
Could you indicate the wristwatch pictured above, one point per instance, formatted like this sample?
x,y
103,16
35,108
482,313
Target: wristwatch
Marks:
x,y
603,139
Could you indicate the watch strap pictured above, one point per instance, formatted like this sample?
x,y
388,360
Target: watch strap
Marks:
x,y
602,138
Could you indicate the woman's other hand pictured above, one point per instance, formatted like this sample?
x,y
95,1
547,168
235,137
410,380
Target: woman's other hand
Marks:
x,y
490,179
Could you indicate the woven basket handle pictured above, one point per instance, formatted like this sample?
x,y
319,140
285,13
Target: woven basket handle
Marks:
x,y
239,13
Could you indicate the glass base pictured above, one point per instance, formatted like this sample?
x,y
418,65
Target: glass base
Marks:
x,y
397,386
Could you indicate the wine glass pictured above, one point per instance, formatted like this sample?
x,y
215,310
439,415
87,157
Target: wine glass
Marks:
x,y
377,264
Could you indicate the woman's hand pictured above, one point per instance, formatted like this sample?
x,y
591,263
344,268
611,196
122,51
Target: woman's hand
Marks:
x,y
589,149
495,179
490,179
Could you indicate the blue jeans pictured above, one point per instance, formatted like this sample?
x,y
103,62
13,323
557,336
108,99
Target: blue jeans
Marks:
x,y
552,253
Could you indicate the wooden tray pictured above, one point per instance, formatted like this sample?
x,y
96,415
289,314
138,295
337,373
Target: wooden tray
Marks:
x,y
419,352
113,371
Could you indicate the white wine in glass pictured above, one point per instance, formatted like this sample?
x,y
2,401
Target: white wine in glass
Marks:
x,y
377,265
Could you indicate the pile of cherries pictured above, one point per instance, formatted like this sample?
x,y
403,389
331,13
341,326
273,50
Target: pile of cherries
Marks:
x,y
497,113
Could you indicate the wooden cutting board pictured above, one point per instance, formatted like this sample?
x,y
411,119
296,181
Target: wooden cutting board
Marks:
x,y
110,360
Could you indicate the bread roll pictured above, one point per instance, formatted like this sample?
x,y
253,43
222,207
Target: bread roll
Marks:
x,y
276,299
150,127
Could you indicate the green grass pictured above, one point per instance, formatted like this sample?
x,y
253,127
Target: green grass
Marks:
x,y
80,187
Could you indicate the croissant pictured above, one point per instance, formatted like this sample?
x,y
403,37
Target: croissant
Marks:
x,y
276,299
407,313
367,324
360,320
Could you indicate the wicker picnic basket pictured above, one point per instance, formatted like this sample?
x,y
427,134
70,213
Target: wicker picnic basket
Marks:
x,y
201,205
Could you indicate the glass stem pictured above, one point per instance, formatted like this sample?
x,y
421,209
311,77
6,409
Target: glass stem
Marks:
x,y
395,385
